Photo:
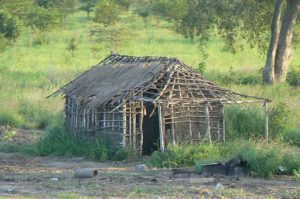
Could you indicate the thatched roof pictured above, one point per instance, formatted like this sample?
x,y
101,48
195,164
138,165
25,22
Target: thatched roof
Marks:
x,y
120,78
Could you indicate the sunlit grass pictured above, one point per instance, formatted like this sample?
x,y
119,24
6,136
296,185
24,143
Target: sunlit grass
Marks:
x,y
31,72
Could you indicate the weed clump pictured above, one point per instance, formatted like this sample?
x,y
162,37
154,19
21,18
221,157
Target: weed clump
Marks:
x,y
263,159
58,141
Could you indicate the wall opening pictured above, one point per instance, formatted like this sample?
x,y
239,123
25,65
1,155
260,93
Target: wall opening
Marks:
x,y
150,130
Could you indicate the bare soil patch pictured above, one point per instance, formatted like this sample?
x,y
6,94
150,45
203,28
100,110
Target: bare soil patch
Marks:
x,y
50,177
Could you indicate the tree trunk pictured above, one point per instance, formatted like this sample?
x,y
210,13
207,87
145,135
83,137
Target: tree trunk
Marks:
x,y
268,74
284,47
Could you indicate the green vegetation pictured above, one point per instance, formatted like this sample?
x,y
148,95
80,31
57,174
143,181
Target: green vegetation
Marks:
x,y
263,160
54,44
58,141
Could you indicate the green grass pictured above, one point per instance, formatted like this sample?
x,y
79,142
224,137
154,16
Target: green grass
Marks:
x,y
263,159
37,65
58,141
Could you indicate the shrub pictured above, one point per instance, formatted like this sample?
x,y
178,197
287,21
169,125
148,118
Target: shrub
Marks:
x,y
11,118
106,12
58,141
244,122
293,77
9,25
263,159
187,155
297,175
279,119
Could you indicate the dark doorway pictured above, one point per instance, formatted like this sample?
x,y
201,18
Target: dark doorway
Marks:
x,y
150,130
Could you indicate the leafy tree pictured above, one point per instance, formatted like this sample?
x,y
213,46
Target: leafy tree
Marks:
x,y
16,7
124,3
143,9
64,7
9,26
88,6
41,19
107,12
245,19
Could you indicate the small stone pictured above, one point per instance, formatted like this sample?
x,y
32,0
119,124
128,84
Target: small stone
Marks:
x,y
11,191
141,167
219,186
54,179
208,194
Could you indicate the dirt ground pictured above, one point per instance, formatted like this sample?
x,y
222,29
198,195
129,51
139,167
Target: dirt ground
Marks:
x,y
24,176
53,177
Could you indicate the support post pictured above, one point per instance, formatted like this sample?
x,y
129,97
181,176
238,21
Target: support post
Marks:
x,y
124,126
172,127
161,133
223,121
207,123
266,122
141,128
134,129
190,125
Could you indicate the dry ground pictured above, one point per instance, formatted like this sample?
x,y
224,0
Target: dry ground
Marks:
x,y
52,177
22,176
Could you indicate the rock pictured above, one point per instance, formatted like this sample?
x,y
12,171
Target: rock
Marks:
x,y
208,194
219,186
12,191
54,179
141,167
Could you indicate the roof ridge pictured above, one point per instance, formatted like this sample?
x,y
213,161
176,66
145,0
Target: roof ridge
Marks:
x,y
119,58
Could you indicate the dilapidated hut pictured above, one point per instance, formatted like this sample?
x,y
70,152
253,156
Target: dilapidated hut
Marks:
x,y
146,103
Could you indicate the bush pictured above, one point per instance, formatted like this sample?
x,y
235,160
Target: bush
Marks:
x,y
279,120
107,12
185,155
11,118
9,25
293,77
263,159
58,141
244,122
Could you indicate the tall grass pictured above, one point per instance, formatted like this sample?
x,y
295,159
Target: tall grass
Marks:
x,y
57,141
263,159
35,66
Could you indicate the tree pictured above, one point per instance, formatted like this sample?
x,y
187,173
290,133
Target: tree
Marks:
x,y
9,26
249,20
40,19
64,7
107,12
88,6
124,3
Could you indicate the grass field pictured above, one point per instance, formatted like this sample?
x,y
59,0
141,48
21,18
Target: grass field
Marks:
x,y
38,64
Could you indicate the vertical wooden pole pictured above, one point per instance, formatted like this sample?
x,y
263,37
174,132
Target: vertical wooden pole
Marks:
x,y
199,126
129,126
124,125
266,122
223,129
161,133
207,123
172,127
134,129
218,130
190,125
84,119
141,128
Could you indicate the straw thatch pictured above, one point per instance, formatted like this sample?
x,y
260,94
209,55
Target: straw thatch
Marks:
x,y
114,94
